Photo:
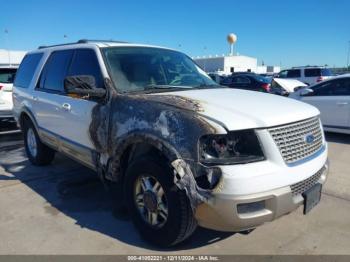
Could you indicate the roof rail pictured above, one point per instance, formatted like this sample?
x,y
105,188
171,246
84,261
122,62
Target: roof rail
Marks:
x,y
82,41
307,66
47,46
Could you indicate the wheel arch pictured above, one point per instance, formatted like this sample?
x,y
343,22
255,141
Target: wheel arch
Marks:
x,y
26,114
135,145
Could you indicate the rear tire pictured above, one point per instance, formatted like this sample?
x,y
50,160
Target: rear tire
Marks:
x,y
179,223
38,153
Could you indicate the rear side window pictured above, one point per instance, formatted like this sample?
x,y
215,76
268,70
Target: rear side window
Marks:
x,y
293,73
85,63
26,70
240,80
337,87
55,71
312,72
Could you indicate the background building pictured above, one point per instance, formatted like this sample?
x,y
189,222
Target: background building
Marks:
x,y
11,58
234,63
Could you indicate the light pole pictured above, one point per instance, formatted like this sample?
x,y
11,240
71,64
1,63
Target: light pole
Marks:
x,y
6,32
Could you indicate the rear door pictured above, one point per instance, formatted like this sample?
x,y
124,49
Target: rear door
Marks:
x,y
332,98
49,95
63,116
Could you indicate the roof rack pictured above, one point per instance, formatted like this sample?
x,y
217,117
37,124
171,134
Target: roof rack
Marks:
x,y
47,46
82,41
307,66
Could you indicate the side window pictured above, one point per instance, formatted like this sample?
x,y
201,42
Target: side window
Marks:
x,y
55,71
324,89
85,63
26,70
312,72
240,80
226,81
293,73
341,87
283,74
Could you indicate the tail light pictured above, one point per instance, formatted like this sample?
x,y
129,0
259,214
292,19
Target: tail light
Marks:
x,y
1,87
266,87
319,79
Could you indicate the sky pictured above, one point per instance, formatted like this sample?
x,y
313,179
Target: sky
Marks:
x,y
286,33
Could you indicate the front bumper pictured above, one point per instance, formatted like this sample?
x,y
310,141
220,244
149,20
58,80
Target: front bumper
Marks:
x,y
234,213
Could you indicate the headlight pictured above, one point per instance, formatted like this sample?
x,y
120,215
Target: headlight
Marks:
x,y
237,147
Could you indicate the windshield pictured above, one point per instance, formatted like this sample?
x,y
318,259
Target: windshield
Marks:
x,y
7,75
144,68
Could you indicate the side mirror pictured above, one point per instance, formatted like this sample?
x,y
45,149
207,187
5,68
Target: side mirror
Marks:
x,y
83,86
306,92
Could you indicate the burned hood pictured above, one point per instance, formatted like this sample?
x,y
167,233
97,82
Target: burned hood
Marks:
x,y
237,109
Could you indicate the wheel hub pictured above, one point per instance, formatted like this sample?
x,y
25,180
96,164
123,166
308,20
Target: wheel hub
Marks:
x,y
151,201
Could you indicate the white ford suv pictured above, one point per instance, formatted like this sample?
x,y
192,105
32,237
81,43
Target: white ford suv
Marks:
x,y
186,150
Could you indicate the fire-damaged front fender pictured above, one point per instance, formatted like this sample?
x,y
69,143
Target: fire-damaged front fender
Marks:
x,y
171,125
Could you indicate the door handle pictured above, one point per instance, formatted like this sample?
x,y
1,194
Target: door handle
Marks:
x,y
66,106
342,103
35,98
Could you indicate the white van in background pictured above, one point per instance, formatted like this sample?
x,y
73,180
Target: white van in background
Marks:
x,y
307,74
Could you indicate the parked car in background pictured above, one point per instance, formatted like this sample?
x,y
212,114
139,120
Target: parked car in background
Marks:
x,y
184,149
284,87
332,98
307,74
7,76
218,78
247,81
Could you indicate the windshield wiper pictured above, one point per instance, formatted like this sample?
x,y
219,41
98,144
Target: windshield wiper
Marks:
x,y
165,87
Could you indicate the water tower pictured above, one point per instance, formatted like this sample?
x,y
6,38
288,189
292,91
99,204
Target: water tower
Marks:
x,y
231,39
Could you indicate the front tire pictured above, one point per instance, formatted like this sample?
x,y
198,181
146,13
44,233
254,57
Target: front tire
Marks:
x,y
38,153
160,211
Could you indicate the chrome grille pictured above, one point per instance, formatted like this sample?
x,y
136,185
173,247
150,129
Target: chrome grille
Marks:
x,y
291,139
306,184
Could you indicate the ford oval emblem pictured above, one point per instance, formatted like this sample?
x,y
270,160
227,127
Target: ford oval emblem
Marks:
x,y
309,139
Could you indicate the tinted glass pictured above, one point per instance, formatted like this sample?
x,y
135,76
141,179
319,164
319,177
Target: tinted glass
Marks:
x,y
293,73
323,89
339,87
85,63
7,75
55,70
143,68
312,72
226,80
26,70
282,74
240,80
262,79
